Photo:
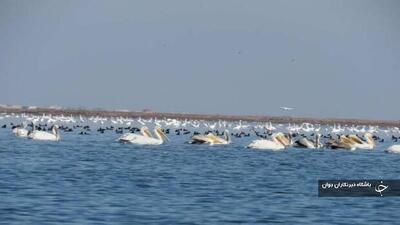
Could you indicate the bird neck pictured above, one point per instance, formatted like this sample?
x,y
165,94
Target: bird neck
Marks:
x,y
370,141
227,136
317,141
159,136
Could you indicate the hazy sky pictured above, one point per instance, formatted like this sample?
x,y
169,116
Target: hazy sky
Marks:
x,y
325,58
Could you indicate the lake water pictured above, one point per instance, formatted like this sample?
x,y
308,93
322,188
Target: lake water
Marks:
x,y
93,179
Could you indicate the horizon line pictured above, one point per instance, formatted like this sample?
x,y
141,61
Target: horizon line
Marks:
x,y
147,113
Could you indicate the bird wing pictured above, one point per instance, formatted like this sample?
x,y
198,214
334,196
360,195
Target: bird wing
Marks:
x,y
282,139
215,139
127,137
304,142
199,139
355,139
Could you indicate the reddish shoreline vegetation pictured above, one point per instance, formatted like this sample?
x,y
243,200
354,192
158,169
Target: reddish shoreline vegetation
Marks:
x,y
192,116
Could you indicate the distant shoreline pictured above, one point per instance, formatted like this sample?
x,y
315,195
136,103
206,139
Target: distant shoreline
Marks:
x,y
192,116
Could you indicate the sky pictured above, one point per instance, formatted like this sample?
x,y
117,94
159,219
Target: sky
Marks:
x,y
327,59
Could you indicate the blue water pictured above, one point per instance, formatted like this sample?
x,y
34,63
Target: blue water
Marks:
x,y
94,180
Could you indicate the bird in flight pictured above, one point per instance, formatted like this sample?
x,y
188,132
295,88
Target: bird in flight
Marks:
x,y
286,108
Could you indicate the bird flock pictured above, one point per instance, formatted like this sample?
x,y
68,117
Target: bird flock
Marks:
x,y
267,136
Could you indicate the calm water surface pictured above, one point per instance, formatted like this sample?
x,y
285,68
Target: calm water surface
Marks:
x,y
94,180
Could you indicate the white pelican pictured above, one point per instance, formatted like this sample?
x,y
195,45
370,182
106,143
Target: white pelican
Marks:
x,y
146,138
393,149
21,131
358,143
45,136
274,144
343,142
211,139
129,136
305,143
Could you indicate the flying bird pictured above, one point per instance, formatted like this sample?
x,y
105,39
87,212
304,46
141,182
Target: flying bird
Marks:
x,y
286,108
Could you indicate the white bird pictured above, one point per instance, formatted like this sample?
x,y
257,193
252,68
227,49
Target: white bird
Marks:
x,y
358,143
342,143
211,139
140,121
393,149
274,144
146,138
305,143
239,126
286,108
45,136
21,131
129,136
307,127
212,127
336,129
269,127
